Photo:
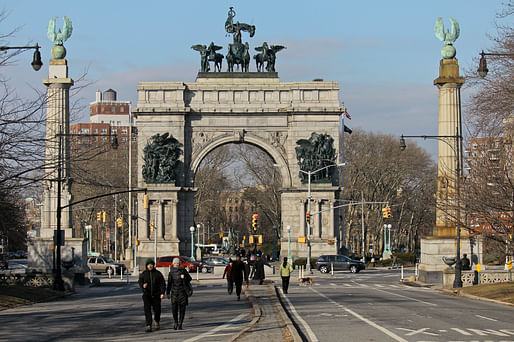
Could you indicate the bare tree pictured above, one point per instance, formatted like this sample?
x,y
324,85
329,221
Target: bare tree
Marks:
x,y
378,172
488,199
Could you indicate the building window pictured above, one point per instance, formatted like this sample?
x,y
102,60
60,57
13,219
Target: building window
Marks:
x,y
114,131
96,130
124,131
124,139
118,123
104,131
113,109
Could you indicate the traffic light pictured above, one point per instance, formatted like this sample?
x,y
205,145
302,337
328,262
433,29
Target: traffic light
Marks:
x,y
152,226
145,201
386,212
250,239
104,216
221,235
308,217
259,239
99,216
255,222
119,222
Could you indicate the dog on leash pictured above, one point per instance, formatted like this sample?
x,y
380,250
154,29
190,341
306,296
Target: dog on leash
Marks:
x,y
305,281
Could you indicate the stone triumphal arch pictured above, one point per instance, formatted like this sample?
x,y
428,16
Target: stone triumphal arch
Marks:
x,y
179,123
221,108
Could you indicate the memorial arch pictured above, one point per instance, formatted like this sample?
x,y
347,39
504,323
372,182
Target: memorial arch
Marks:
x,y
179,123
221,108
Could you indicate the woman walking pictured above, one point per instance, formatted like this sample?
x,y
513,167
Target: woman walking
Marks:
x,y
177,286
285,272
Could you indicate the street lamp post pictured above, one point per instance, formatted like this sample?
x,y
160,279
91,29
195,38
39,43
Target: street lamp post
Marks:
x,y
482,66
458,174
36,60
192,230
289,243
198,249
309,198
274,252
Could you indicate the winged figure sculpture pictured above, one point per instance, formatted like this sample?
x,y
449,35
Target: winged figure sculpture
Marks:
x,y
59,37
446,36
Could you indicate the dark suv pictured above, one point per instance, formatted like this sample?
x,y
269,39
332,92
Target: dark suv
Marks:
x,y
340,263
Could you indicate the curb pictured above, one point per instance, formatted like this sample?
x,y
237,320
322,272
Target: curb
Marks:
x,y
285,317
257,313
469,296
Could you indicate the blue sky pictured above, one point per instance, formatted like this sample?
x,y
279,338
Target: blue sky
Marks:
x,y
383,53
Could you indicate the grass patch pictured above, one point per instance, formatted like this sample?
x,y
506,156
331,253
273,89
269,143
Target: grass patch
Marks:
x,y
503,292
14,295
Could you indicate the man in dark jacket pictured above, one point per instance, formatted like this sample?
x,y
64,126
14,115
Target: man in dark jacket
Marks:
x,y
239,272
153,285
258,267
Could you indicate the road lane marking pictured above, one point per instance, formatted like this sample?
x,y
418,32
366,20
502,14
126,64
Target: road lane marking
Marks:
x,y
353,313
485,332
463,332
221,327
307,328
415,332
378,285
491,319
399,295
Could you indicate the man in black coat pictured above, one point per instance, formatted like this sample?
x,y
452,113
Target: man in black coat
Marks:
x,y
153,285
239,272
258,267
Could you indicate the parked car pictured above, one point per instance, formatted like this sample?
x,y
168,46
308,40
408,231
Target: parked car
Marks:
x,y
214,261
185,262
340,263
100,264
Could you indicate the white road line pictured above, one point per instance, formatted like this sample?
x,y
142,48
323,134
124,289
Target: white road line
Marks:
x,y
333,284
399,295
379,285
304,324
491,319
221,327
463,332
365,320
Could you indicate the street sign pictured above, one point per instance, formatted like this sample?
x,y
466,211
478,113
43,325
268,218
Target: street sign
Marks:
x,y
302,239
479,267
509,265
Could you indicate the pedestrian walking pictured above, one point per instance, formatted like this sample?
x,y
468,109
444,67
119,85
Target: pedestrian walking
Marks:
x,y
239,272
179,281
258,268
285,272
153,285
226,272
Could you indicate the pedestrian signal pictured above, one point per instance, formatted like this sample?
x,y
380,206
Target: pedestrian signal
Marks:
x,y
152,226
255,222
384,212
259,239
250,239
308,217
99,216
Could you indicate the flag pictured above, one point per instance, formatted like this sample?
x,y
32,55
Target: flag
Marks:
x,y
347,129
347,115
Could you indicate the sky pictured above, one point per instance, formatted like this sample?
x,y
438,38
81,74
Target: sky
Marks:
x,y
383,54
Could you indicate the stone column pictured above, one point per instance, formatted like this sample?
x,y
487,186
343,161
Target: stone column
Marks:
x,y
160,219
57,134
316,219
449,83
173,219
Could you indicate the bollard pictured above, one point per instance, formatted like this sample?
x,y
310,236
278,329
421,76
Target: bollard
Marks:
x,y
402,273
109,272
273,269
121,273
332,268
416,270
197,272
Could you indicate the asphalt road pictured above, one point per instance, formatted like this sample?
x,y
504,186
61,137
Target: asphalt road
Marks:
x,y
373,306
114,312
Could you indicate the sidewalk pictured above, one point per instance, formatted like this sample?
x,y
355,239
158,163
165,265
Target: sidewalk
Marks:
x,y
270,322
